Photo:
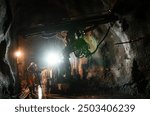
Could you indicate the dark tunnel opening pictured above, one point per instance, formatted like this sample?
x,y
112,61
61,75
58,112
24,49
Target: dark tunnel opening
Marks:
x,y
74,49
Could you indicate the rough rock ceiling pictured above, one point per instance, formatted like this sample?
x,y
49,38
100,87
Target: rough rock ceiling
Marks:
x,y
33,13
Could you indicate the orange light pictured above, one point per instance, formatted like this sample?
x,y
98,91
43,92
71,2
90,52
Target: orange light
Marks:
x,y
18,54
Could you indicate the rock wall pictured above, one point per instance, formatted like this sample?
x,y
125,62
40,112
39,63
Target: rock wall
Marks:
x,y
135,31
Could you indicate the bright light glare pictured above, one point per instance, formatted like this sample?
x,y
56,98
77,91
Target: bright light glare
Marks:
x,y
39,92
54,58
18,53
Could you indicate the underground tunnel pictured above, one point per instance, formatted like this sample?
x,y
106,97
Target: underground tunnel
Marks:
x,y
74,49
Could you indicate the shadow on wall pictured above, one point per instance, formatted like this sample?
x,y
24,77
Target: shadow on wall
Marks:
x,y
139,78
6,79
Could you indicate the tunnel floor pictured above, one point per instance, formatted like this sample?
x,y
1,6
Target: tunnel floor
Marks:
x,y
106,96
83,89
89,96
